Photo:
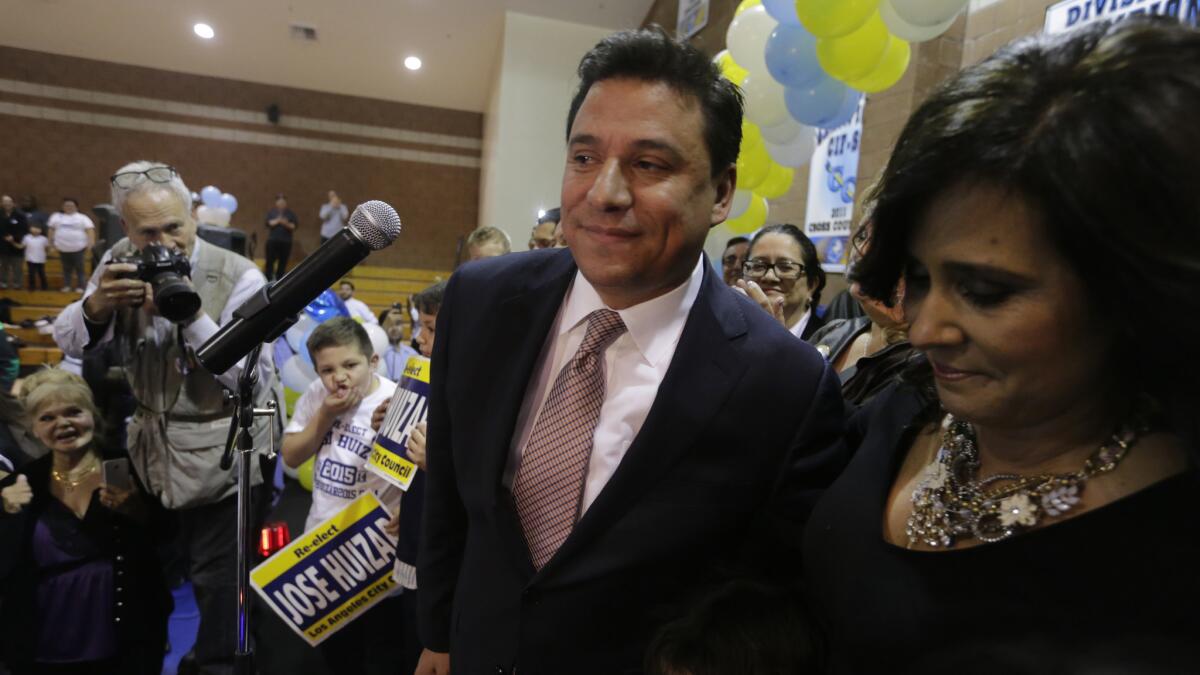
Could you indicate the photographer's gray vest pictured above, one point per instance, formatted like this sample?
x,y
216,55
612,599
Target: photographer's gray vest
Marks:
x,y
178,433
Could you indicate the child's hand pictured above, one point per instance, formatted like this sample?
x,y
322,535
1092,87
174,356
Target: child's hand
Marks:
x,y
341,400
416,445
18,495
379,414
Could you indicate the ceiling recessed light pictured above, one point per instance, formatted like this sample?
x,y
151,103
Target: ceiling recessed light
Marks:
x,y
204,30
412,63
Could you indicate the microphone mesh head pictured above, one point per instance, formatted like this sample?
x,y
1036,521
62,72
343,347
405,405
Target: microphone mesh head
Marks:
x,y
376,223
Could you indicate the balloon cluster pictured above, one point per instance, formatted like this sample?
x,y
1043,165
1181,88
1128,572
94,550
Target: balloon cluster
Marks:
x,y
802,65
295,364
216,207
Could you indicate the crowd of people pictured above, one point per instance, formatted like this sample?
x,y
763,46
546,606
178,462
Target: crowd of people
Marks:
x,y
980,458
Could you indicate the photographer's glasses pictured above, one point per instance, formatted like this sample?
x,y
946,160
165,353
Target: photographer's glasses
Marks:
x,y
155,174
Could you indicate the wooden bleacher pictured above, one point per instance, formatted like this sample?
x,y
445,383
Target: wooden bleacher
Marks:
x,y
377,286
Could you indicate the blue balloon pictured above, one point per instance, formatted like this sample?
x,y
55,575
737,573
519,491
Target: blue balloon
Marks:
x,y
783,11
211,196
229,202
791,55
326,306
846,112
822,104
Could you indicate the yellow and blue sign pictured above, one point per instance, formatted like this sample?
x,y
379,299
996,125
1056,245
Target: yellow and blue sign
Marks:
x,y
331,574
410,405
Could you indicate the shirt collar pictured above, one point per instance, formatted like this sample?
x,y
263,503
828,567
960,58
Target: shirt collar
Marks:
x,y
654,325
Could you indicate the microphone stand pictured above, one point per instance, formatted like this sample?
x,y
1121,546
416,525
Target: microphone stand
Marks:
x,y
240,428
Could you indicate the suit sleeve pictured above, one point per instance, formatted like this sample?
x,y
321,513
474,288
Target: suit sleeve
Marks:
x,y
444,522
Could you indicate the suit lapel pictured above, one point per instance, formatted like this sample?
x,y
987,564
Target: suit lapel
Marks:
x,y
701,375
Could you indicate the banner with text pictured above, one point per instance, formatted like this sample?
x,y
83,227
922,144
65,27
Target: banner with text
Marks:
x,y
331,574
1072,14
410,405
832,181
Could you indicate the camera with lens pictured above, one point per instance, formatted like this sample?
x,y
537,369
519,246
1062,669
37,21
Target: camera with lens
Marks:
x,y
164,269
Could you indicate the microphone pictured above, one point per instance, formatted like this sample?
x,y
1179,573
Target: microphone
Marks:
x,y
266,315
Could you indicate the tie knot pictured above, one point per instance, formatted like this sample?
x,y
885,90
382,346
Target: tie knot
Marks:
x,y
604,326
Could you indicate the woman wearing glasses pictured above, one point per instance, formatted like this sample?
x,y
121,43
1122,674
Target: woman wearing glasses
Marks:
x,y
782,273
1027,501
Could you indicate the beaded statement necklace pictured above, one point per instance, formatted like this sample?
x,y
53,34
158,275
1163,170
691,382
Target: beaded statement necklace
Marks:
x,y
951,502
75,477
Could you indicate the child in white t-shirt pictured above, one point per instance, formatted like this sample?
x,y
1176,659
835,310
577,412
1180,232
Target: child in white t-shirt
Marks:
x,y
332,421
35,244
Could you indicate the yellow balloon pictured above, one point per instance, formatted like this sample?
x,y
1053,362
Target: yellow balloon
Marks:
x,y
305,474
777,183
730,70
745,5
856,55
751,135
890,69
752,167
290,396
834,18
754,217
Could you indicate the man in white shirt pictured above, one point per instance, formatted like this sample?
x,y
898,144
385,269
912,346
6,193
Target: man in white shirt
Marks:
x,y
73,235
611,425
334,215
177,435
357,308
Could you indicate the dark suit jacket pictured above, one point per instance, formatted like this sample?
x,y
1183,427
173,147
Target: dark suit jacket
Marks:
x,y
743,434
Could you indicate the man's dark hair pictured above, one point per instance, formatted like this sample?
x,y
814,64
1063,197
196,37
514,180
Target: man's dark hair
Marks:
x,y
735,241
429,301
1085,127
651,55
550,216
72,200
345,282
340,331
813,272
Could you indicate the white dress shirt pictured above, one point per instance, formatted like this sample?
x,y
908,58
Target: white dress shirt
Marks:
x,y
359,310
71,333
798,329
635,365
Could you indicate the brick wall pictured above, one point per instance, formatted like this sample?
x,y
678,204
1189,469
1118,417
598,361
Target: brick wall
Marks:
x,y
67,123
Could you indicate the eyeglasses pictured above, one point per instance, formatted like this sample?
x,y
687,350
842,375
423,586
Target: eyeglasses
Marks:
x,y
156,174
784,269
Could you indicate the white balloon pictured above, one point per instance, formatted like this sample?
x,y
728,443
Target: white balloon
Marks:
x,y
927,12
764,100
798,152
781,133
299,330
904,30
297,374
379,340
741,203
747,36
714,244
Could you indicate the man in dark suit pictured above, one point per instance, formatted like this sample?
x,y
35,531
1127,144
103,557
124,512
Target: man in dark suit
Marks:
x,y
646,427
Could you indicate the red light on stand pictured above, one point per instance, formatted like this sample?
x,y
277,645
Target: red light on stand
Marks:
x,y
273,537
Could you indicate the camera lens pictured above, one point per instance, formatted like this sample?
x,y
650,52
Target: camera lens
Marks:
x,y
174,298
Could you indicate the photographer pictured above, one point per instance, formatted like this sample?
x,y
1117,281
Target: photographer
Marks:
x,y
159,310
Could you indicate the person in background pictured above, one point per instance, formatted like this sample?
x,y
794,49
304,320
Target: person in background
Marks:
x,y
783,275
733,258
73,235
357,308
34,215
83,588
487,242
34,247
1035,478
13,228
543,232
393,320
333,216
281,224
332,422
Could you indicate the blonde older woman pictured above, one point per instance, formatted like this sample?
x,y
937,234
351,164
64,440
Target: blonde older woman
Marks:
x,y
84,593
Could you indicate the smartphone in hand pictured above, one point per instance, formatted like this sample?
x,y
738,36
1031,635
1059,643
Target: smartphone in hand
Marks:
x,y
115,473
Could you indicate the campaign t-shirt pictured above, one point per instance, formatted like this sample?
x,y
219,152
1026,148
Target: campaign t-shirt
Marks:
x,y
70,231
35,248
340,468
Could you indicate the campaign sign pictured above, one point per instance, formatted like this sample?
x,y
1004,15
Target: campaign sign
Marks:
x,y
832,183
410,405
331,574
1071,14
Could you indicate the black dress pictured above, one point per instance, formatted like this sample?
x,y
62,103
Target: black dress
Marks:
x,y
1118,586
